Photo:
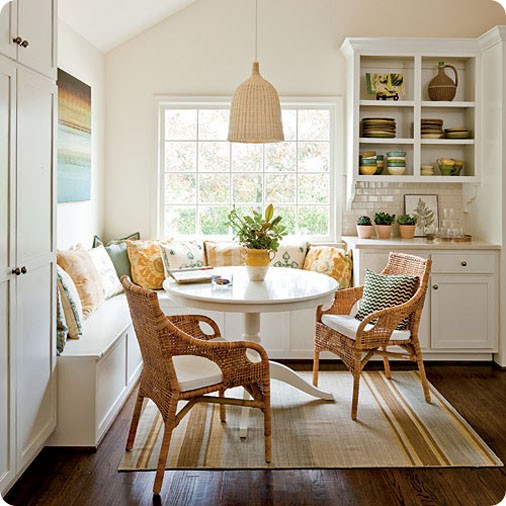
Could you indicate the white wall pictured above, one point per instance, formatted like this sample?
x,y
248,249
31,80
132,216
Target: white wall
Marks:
x,y
208,48
77,222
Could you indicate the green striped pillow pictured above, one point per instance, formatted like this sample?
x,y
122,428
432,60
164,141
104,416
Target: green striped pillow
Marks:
x,y
382,291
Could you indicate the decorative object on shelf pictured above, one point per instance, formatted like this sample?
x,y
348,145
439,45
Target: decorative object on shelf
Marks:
x,y
424,207
385,86
255,112
449,166
431,128
396,163
427,170
442,87
407,225
380,164
364,227
74,139
382,128
260,236
367,163
457,133
383,224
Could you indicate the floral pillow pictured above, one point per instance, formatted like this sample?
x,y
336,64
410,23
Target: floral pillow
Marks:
x,y
291,254
103,263
182,255
146,263
335,262
71,305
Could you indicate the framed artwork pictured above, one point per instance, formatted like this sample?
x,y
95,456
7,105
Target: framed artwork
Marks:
x,y
74,139
385,86
424,207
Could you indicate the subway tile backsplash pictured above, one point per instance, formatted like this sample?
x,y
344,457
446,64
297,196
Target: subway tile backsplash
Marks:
x,y
389,197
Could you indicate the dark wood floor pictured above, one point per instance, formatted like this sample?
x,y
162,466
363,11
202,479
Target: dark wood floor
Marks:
x,y
64,477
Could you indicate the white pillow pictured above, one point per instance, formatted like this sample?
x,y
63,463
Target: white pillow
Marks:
x,y
291,254
181,255
103,264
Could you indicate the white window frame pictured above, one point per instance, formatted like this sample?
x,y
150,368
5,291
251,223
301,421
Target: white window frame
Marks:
x,y
337,182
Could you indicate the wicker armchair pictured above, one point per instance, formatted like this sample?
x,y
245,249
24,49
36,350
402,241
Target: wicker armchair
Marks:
x,y
182,362
357,341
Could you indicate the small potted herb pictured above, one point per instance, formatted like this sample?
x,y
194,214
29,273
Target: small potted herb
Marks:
x,y
407,225
364,227
383,224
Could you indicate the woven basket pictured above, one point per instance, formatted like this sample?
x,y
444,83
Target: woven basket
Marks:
x,y
442,87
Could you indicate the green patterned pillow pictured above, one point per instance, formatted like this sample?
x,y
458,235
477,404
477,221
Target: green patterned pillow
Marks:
x,y
181,255
97,241
382,291
61,325
117,250
71,304
291,254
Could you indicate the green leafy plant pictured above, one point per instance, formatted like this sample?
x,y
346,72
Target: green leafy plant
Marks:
x,y
382,218
407,219
364,221
257,231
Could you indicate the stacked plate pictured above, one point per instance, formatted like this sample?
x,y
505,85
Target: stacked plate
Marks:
x,y
396,162
457,133
378,127
367,163
432,128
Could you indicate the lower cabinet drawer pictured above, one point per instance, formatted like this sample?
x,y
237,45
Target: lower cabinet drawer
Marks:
x,y
463,263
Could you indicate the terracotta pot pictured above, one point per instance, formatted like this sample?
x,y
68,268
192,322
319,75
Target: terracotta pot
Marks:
x,y
257,262
364,231
407,231
383,231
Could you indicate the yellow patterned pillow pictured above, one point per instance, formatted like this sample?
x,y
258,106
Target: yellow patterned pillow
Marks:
x,y
146,263
78,265
219,254
335,262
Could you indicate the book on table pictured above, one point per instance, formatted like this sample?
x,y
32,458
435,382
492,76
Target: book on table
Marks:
x,y
193,275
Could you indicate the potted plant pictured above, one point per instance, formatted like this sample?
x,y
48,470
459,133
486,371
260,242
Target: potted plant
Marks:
x,y
407,225
364,227
260,236
383,224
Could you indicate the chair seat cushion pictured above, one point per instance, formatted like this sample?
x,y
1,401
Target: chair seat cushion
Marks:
x,y
347,325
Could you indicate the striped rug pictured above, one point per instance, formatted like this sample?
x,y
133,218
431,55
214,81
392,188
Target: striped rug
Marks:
x,y
395,428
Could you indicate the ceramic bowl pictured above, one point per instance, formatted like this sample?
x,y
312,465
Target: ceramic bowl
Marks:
x,y
396,153
447,170
367,170
396,171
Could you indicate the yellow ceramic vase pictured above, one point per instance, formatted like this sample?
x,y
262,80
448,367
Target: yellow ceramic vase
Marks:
x,y
257,262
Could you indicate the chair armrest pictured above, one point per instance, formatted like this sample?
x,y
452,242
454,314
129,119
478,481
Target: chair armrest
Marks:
x,y
190,324
344,301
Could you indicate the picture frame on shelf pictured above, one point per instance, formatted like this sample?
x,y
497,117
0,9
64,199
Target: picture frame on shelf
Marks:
x,y
425,208
385,86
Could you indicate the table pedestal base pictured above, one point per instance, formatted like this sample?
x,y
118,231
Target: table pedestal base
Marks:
x,y
278,372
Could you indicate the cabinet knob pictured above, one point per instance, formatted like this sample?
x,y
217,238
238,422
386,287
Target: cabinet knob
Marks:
x,y
25,43
24,270
435,287
463,263
17,40
16,271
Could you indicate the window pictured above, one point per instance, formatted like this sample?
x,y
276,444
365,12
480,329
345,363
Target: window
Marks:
x,y
202,175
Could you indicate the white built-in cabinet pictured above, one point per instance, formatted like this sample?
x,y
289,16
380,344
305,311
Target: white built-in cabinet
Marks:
x,y
27,257
461,311
27,34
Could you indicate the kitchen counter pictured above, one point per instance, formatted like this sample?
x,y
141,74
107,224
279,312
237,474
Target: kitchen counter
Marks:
x,y
418,243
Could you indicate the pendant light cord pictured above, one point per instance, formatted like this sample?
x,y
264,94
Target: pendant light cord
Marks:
x,y
256,30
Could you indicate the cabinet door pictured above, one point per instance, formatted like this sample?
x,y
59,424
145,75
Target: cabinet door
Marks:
x,y
35,293
462,312
7,280
37,25
8,30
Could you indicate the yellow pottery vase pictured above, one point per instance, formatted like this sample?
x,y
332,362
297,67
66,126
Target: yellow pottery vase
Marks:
x,y
257,262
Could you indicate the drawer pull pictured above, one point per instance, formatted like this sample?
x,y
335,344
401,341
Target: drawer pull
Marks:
x,y
435,287
463,263
16,271
17,40
24,43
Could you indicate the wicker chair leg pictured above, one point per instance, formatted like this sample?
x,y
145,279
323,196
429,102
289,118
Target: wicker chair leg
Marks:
x,y
164,450
135,421
421,370
223,413
316,366
267,425
386,364
354,400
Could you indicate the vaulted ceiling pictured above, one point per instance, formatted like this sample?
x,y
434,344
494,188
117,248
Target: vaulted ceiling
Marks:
x,y
108,23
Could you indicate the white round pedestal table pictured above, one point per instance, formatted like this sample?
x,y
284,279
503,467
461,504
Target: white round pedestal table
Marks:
x,y
282,290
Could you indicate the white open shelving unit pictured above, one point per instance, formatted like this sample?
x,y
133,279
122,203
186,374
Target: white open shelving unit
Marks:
x,y
417,60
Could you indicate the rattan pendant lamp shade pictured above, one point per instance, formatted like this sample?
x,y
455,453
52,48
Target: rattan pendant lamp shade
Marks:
x,y
255,113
